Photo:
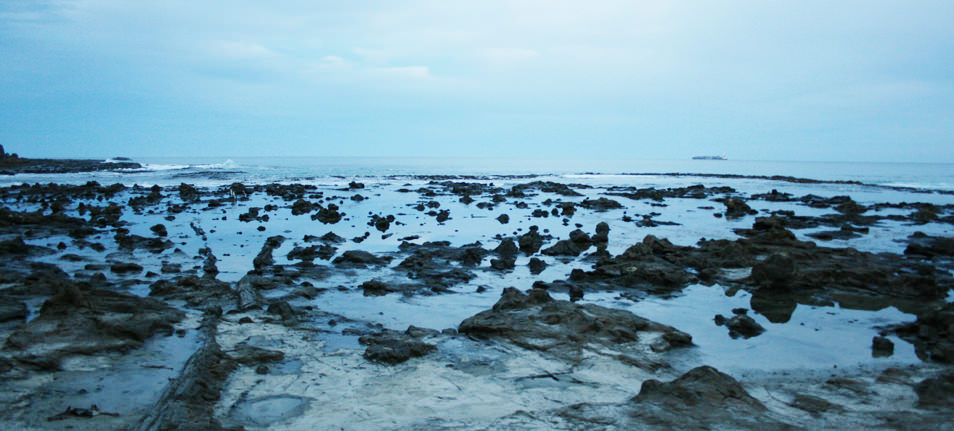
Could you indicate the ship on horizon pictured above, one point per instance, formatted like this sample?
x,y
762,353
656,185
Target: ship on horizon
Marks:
x,y
722,157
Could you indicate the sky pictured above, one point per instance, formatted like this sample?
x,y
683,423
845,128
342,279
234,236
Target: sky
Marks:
x,y
754,80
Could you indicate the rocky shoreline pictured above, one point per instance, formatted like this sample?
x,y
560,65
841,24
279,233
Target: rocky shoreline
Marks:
x,y
12,164
285,306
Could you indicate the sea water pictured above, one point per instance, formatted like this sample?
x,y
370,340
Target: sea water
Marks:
x,y
821,336
263,170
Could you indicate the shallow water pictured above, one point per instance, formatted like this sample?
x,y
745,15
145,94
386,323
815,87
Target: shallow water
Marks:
x,y
815,337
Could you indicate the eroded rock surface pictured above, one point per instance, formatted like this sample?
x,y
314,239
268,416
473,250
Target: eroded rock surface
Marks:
x,y
535,321
86,321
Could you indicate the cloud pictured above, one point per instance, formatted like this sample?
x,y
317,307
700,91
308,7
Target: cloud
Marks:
x,y
403,72
241,50
795,67
509,55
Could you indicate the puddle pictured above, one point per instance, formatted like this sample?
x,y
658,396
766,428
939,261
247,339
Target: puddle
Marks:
x,y
814,337
268,410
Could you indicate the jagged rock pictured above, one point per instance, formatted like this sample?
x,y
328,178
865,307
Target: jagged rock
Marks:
x,y
601,239
159,230
360,259
538,322
932,334
12,309
736,207
537,265
600,204
920,244
742,325
195,291
329,215
506,249
881,347
247,354
578,243
188,193
936,392
131,242
81,320
503,264
125,268
393,348
310,253
703,398
776,270
531,241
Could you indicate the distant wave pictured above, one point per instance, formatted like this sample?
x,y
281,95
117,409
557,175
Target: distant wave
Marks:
x,y
926,186
228,164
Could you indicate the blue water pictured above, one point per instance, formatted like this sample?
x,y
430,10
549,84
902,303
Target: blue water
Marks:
x,y
225,170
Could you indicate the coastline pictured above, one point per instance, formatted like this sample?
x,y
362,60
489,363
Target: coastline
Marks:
x,y
401,280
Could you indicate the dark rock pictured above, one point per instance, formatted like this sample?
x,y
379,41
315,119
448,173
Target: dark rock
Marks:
x,y
16,246
195,291
932,334
84,321
302,206
381,223
537,265
375,288
360,259
776,270
506,249
188,193
331,237
576,293
264,259
881,347
12,309
522,190
540,213
247,354
736,207
600,204
815,405
283,310
531,241
310,253
703,398
416,332
393,348
171,268
132,242
329,215
936,392
125,268
742,325
503,264
188,402
159,230
250,215
601,239
929,246
578,243
529,319
503,218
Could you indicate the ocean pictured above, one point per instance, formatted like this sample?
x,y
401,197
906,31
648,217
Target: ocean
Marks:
x,y
263,170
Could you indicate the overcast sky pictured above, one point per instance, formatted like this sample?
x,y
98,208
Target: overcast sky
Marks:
x,y
756,80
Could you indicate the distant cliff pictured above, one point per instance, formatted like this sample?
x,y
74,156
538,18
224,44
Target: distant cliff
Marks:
x,y
11,164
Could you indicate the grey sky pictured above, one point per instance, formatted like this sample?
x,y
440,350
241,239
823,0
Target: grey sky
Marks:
x,y
806,80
